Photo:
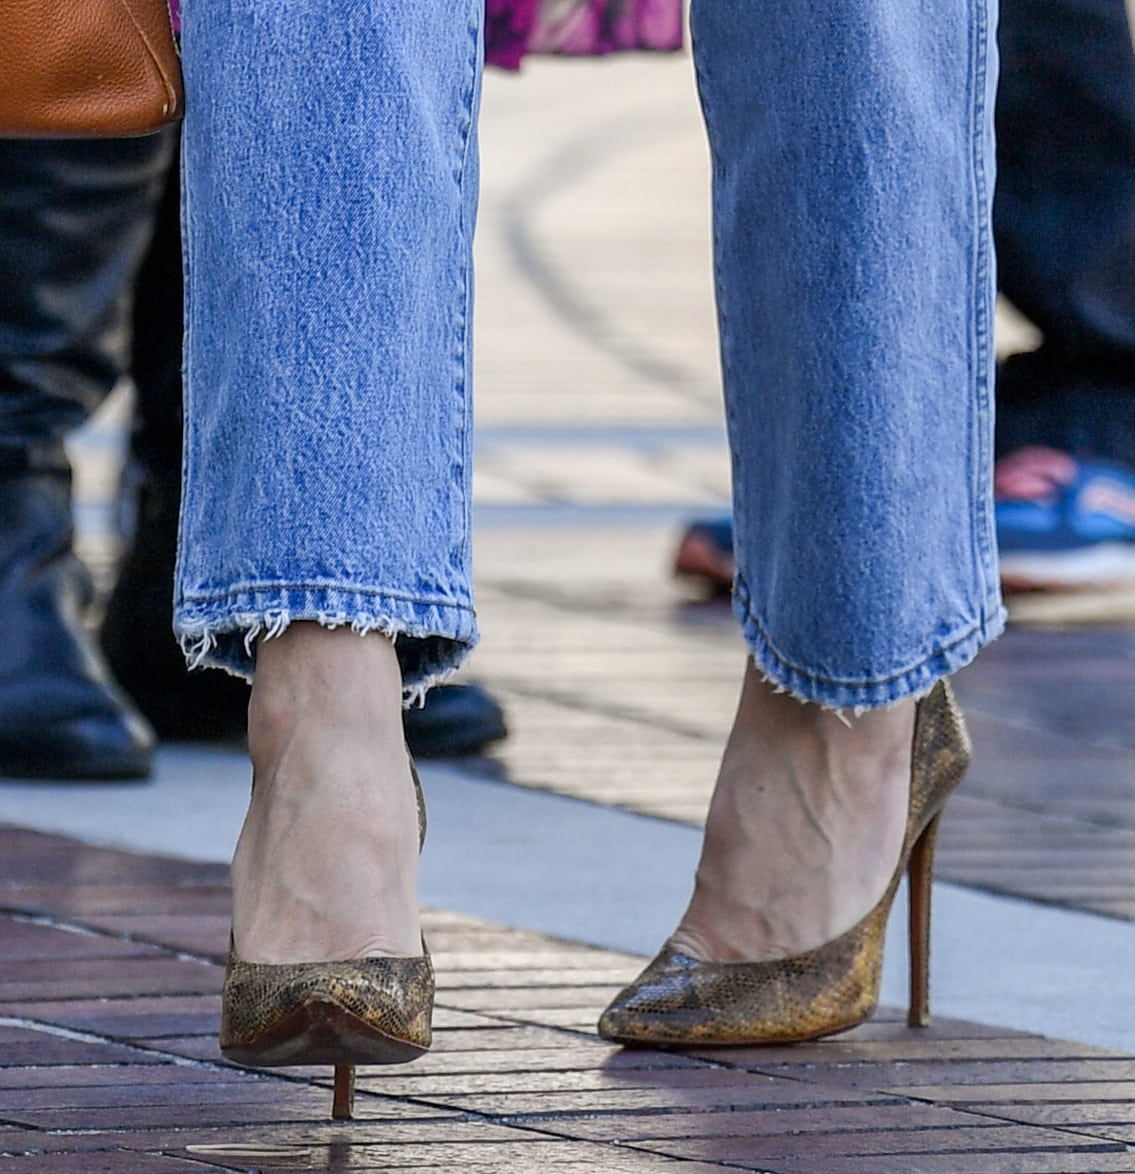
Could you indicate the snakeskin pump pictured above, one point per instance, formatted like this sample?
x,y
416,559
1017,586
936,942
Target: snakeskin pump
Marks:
x,y
681,1001
361,1011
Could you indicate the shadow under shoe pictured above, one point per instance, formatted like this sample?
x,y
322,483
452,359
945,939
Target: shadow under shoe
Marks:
x,y
681,1001
61,714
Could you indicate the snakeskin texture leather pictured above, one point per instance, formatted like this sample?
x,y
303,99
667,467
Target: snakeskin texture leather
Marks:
x,y
680,1001
381,1003
360,1011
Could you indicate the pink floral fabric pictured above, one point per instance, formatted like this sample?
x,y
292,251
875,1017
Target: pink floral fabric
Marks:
x,y
508,30
514,28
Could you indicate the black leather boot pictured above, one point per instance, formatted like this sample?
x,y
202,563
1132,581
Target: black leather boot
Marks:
x,y
137,630
60,714
74,221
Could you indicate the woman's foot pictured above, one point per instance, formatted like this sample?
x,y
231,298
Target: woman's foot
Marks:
x,y
326,867
805,827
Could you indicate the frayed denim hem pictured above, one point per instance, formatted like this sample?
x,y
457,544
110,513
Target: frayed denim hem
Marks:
x,y
432,639
952,653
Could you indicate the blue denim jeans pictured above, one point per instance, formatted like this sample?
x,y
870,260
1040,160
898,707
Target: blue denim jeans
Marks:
x,y
853,174
330,165
330,187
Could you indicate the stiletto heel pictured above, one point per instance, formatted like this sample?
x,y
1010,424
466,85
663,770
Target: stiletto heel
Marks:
x,y
920,877
681,1001
343,1106
358,1011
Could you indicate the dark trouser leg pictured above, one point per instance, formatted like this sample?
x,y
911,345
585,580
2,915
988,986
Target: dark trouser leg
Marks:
x,y
137,633
74,220
1065,223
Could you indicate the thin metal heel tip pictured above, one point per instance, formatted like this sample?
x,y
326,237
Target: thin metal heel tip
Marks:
x,y
343,1103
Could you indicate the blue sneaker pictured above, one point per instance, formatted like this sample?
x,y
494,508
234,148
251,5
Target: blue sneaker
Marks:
x,y
705,554
1064,523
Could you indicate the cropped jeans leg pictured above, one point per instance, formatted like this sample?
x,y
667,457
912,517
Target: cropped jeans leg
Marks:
x,y
853,172
330,169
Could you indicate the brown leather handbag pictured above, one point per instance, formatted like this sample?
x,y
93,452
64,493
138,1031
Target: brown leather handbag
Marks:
x,y
87,68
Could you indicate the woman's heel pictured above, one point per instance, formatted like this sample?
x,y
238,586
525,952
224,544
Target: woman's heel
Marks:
x,y
920,879
682,1001
355,1011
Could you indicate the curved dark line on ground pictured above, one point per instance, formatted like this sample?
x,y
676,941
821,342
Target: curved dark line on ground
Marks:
x,y
581,156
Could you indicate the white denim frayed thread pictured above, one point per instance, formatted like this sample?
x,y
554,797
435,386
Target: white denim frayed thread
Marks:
x,y
199,641
844,713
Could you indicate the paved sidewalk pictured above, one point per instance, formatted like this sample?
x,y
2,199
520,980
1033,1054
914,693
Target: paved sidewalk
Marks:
x,y
112,964
599,430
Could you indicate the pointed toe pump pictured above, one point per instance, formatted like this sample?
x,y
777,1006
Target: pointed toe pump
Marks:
x,y
681,1001
360,1011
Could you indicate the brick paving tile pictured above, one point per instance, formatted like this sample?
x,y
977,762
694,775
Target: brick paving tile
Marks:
x,y
973,1163
890,1023
86,978
517,1000
564,1157
145,1017
36,859
516,1038
83,900
582,1057
112,1058
63,1076
679,1096
878,1115
196,933
450,1017
136,1092
775,1090
900,1045
1110,1118
963,1140
29,941
375,1124
115,1162
203,1048
41,1046
568,1018
294,1106
522,967
1010,1082
977,1094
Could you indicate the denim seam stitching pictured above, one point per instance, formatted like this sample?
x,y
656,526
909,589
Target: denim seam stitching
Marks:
x,y
260,588
985,555
464,280
188,332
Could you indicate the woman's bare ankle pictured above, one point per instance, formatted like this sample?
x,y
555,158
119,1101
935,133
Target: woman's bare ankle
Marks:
x,y
805,827
326,864
349,681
